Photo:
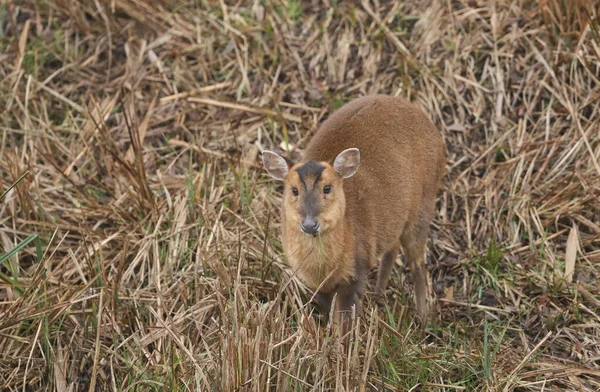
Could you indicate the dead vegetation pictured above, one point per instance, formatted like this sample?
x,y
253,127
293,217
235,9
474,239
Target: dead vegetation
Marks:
x,y
157,263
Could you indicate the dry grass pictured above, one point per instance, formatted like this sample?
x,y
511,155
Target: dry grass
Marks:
x,y
158,262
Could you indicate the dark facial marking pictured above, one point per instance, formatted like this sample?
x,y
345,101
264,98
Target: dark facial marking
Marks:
x,y
311,205
310,169
310,174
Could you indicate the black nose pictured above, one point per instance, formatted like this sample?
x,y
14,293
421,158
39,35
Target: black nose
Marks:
x,y
310,226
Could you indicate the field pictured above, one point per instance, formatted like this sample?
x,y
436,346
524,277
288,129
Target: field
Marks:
x,y
140,247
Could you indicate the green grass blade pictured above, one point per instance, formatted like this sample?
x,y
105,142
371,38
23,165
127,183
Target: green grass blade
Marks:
x,y
22,245
15,184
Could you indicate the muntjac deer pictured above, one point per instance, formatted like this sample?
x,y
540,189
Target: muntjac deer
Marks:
x,y
366,185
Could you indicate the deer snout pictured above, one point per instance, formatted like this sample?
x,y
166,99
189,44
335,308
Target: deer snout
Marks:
x,y
310,226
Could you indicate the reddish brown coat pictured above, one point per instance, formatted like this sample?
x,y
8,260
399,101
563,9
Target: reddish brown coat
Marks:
x,y
390,200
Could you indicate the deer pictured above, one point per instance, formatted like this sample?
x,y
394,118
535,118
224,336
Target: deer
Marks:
x,y
366,186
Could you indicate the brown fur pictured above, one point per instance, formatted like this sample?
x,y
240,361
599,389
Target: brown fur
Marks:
x,y
389,202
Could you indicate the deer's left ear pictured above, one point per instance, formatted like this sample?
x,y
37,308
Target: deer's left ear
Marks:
x,y
347,162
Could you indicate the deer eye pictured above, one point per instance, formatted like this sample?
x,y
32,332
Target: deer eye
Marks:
x,y
295,191
327,189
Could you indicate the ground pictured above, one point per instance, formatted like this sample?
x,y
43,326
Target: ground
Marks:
x,y
141,241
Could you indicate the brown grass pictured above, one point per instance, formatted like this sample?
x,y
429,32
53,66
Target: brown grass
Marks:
x,y
159,266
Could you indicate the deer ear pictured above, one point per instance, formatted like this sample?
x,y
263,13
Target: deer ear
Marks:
x,y
275,165
347,162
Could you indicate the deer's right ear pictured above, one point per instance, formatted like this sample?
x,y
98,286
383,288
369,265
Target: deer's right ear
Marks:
x,y
276,166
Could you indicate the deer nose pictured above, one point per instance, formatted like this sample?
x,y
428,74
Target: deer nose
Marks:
x,y
310,226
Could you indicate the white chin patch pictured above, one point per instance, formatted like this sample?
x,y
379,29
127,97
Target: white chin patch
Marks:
x,y
317,233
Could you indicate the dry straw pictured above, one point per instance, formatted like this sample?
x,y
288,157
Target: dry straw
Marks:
x,y
159,265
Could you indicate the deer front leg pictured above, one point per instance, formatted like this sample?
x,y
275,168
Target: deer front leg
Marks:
x,y
347,305
323,301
